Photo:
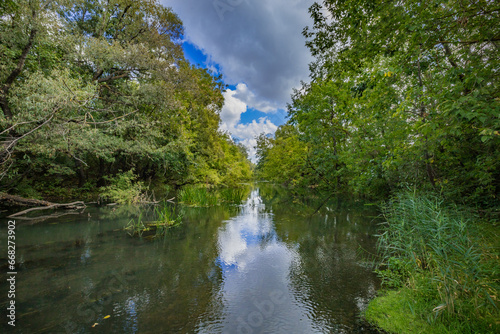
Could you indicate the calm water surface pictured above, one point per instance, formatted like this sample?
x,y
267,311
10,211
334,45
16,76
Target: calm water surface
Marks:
x,y
270,265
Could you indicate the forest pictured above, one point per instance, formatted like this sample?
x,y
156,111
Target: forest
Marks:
x,y
97,94
402,94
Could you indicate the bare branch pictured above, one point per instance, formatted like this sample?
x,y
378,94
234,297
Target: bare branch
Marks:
x,y
30,132
17,124
112,77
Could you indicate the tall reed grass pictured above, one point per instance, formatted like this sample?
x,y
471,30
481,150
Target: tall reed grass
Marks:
x,y
199,195
233,195
437,251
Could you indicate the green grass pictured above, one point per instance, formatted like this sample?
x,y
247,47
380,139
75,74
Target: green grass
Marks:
x,y
442,265
232,195
198,195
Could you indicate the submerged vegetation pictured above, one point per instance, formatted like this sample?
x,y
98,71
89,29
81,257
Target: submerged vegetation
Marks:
x,y
165,218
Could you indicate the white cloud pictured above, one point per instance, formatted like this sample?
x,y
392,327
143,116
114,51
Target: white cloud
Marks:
x,y
258,42
232,110
231,115
258,46
244,94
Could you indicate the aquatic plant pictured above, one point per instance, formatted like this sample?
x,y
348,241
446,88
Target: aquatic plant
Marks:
x,y
232,195
136,227
165,219
197,196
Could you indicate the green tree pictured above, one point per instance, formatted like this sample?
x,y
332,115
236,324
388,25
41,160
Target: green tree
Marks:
x,y
282,159
403,93
101,88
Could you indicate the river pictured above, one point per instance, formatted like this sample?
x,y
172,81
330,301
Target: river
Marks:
x,y
270,265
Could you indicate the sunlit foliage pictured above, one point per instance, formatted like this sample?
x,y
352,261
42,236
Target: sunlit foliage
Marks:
x,y
90,89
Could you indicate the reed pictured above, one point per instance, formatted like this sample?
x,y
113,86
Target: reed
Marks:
x,y
197,196
437,252
232,195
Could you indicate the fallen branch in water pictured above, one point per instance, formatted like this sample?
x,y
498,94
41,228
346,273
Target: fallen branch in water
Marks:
x,y
73,206
40,204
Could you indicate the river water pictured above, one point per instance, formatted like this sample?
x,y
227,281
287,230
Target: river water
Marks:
x,y
270,265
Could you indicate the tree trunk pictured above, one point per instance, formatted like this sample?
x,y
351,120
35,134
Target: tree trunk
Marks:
x,y
81,173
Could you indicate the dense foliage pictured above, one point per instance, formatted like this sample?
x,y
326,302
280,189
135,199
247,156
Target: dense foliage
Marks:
x,y
402,93
92,89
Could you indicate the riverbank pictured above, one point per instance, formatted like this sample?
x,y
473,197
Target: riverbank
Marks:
x,y
439,266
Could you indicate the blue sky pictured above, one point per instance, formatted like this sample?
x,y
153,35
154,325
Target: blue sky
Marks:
x,y
196,56
258,48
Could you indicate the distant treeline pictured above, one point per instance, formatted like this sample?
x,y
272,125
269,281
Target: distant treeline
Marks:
x,y
402,94
90,90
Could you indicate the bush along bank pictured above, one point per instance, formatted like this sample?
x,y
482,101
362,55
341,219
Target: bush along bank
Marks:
x,y
439,267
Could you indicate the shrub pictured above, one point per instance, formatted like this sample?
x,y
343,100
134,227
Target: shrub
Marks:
x,y
124,189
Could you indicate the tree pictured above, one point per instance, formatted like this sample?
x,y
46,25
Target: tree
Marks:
x,y
403,93
103,89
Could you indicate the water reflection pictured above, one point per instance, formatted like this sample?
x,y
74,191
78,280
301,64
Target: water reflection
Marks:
x,y
266,288
256,292
268,266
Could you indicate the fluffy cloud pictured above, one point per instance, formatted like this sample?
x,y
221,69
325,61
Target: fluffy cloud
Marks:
x,y
258,45
234,106
258,42
246,134
232,110
244,94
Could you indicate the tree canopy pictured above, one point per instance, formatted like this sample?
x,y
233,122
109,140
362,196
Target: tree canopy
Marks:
x,y
90,89
401,93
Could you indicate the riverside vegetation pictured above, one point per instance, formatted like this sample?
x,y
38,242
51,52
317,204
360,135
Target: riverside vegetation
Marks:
x,y
406,95
444,266
97,98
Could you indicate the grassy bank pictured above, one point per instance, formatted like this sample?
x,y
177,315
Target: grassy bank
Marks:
x,y
439,267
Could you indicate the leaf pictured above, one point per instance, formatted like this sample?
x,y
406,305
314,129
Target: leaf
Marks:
x,y
95,324
106,317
